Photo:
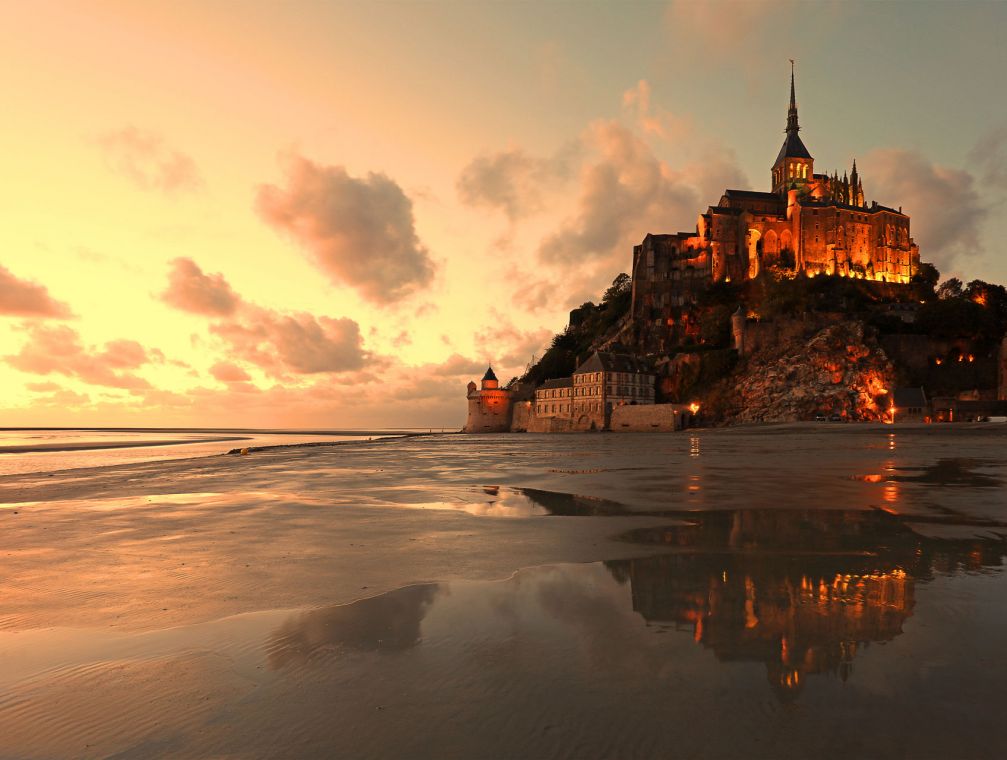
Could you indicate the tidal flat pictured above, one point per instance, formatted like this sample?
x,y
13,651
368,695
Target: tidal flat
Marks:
x,y
781,591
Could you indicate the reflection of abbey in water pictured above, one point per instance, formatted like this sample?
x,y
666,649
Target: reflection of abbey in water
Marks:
x,y
800,591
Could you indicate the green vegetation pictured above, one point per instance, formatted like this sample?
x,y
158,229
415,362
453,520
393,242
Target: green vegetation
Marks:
x,y
977,312
591,323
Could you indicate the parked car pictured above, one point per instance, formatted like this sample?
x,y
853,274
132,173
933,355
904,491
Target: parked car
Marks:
x,y
819,418
836,418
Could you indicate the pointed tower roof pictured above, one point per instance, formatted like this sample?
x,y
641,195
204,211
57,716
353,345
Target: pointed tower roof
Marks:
x,y
792,125
793,146
490,375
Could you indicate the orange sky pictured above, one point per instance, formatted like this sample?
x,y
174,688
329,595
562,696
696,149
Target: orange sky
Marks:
x,y
311,214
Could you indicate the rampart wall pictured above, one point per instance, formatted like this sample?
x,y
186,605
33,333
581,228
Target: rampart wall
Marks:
x,y
649,418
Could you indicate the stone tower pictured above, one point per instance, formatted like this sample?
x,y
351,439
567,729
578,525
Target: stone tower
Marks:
x,y
489,406
738,330
794,167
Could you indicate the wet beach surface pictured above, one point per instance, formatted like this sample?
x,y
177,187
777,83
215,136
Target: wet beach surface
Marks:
x,y
791,591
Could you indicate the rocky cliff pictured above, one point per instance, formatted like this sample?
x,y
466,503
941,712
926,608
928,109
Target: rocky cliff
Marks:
x,y
839,369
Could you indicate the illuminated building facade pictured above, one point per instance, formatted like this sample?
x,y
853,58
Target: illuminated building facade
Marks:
x,y
490,406
807,224
585,401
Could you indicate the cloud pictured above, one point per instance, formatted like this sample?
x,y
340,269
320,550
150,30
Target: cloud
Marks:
x,y
429,388
990,157
654,121
945,205
510,347
278,343
454,366
22,298
300,343
128,354
358,231
59,350
143,157
189,289
511,180
226,372
625,192
46,387
732,32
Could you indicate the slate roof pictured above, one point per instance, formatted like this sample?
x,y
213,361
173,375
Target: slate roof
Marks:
x,y
874,209
606,361
752,195
793,147
490,375
559,382
909,397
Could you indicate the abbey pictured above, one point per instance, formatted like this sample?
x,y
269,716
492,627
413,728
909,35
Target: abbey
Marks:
x,y
808,224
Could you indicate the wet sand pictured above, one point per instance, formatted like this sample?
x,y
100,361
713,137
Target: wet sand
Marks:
x,y
766,592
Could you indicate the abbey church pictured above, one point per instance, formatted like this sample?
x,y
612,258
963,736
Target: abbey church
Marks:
x,y
808,224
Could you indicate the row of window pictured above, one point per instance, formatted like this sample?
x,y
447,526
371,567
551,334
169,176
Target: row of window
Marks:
x,y
629,390
633,378
554,393
546,409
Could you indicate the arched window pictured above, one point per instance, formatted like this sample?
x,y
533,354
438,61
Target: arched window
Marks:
x,y
786,241
771,244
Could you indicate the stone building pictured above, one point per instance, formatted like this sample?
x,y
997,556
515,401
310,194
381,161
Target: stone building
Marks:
x,y
552,398
489,406
585,401
910,405
808,224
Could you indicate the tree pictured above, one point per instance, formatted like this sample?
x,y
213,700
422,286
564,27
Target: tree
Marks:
x,y
621,286
951,288
955,318
928,276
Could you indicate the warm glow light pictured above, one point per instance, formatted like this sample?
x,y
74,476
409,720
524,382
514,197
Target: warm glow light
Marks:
x,y
693,407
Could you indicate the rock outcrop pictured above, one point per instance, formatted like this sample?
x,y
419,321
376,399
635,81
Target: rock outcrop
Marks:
x,y
840,370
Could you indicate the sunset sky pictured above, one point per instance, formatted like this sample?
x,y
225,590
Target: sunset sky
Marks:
x,y
333,214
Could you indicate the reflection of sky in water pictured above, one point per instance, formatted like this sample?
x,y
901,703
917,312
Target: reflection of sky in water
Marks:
x,y
799,593
104,448
500,501
738,615
774,630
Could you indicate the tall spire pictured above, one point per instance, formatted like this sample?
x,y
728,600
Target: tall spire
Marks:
x,y
792,125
